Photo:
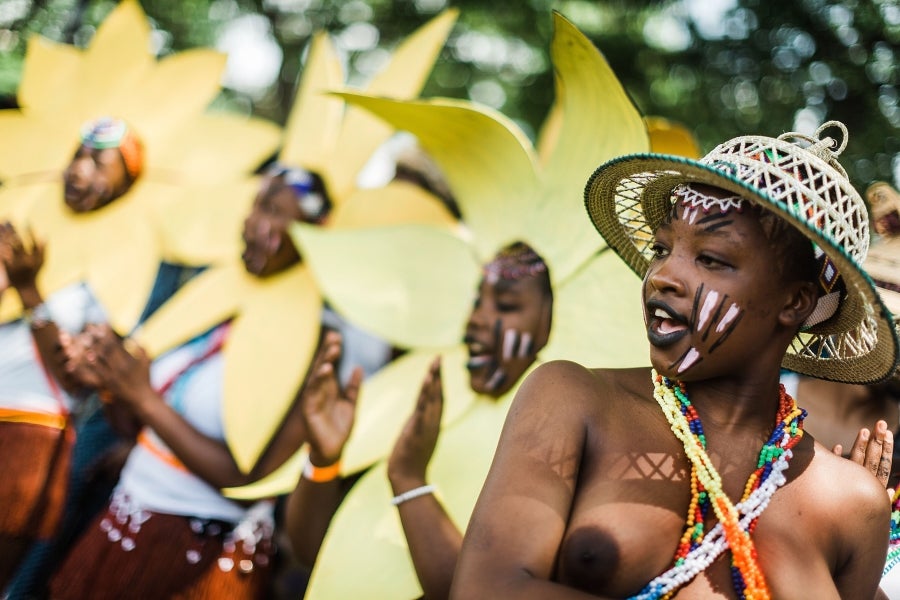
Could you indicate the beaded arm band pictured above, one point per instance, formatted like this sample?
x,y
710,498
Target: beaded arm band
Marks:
x,y
321,474
413,493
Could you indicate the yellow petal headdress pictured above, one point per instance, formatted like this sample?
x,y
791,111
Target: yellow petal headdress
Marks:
x,y
506,191
276,319
116,249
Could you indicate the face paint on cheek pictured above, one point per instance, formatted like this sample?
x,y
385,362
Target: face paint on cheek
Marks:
x,y
690,358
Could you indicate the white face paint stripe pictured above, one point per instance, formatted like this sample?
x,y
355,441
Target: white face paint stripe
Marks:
x,y
525,345
509,340
689,359
730,314
495,380
711,298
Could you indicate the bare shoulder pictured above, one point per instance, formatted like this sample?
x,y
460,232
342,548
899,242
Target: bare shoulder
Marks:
x,y
858,491
581,385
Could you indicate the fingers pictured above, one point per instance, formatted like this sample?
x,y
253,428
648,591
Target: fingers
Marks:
x,y
838,449
351,393
874,450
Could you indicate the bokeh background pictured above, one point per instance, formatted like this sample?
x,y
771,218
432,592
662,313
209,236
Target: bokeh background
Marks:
x,y
721,67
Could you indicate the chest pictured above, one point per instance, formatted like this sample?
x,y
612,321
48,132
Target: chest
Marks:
x,y
625,531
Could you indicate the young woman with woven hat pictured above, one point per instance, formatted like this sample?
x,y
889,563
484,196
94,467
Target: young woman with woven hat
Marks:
x,y
694,476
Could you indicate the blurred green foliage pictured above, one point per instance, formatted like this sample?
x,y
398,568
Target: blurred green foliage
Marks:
x,y
722,67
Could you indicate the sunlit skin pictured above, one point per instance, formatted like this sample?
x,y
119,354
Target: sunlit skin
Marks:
x,y
94,178
508,326
268,247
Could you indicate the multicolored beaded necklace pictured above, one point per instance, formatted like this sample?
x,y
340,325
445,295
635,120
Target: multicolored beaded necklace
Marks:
x,y
697,549
893,556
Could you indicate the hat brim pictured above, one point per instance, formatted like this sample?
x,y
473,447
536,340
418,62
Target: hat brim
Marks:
x,y
630,197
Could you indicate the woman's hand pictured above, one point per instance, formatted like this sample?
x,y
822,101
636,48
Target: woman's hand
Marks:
x,y
21,261
79,361
415,445
874,452
328,410
122,368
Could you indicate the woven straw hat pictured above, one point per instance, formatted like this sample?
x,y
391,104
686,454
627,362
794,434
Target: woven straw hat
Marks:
x,y
628,198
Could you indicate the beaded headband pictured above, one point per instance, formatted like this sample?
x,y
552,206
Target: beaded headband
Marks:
x,y
312,204
514,262
108,132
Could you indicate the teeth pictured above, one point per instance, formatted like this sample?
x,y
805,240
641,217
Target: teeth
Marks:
x,y
476,348
661,314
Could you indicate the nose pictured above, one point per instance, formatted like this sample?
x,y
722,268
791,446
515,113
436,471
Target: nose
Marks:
x,y
664,275
80,170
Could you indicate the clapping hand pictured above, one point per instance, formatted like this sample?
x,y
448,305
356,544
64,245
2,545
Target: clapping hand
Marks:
x,y
328,409
415,446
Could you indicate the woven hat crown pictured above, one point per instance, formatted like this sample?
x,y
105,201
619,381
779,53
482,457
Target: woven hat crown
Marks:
x,y
808,181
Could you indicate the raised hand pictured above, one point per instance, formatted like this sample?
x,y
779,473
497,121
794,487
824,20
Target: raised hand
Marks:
x,y
415,446
328,410
873,450
78,362
22,261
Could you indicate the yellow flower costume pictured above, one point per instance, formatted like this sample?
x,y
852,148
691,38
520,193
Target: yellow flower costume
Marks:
x,y
277,318
417,284
117,249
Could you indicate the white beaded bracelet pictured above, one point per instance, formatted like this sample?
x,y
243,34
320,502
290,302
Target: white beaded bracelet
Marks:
x,y
413,493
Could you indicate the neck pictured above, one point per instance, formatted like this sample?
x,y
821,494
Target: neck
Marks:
x,y
731,405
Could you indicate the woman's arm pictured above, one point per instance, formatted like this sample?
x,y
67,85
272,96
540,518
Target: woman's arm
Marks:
x,y
327,412
432,538
21,263
126,377
513,538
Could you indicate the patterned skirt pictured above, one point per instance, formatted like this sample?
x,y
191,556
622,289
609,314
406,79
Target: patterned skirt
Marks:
x,y
128,553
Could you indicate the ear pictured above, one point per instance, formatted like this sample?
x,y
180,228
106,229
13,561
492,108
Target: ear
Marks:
x,y
800,303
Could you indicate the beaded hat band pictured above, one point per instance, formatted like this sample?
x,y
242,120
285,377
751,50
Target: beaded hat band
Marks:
x,y
629,197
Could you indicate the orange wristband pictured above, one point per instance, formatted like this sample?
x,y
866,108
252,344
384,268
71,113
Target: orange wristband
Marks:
x,y
321,474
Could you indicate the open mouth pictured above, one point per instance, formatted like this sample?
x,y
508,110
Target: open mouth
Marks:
x,y
665,326
480,355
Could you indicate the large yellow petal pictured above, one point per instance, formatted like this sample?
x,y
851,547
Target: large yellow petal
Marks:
x,y
112,249
202,225
178,87
31,151
267,353
366,538
396,202
597,316
387,399
314,122
488,162
409,284
402,78
213,147
281,481
669,137
203,302
48,69
117,59
599,122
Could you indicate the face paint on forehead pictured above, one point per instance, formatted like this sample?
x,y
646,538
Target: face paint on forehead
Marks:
x,y
513,263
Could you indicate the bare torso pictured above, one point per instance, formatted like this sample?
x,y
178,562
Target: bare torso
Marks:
x,y
631,501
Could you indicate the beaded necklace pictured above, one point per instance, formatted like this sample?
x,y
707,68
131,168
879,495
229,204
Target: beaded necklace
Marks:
x,y
893,556
697,549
